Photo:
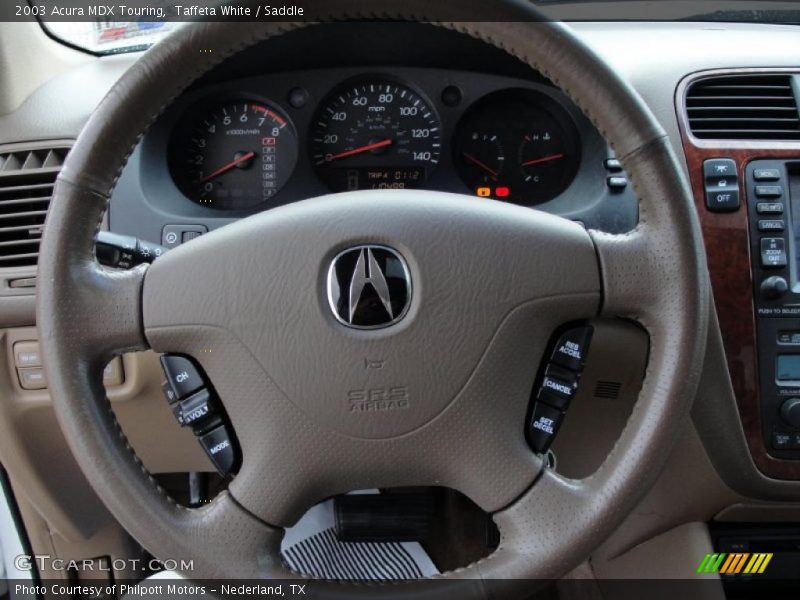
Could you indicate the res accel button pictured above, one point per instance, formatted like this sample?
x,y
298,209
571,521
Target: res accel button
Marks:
x,y
182,376
570,351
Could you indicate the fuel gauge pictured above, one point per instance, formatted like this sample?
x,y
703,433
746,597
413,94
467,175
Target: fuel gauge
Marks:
x,y
481,159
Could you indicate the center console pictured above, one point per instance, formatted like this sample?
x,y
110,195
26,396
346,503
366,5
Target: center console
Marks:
x,y
740,130
772,189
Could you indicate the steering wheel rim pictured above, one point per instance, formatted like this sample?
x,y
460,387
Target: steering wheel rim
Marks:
x,y
654,275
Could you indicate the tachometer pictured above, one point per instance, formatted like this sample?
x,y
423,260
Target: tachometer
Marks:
x,y
235,156
375,135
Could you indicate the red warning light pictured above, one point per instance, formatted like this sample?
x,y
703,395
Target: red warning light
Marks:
x,y
502,192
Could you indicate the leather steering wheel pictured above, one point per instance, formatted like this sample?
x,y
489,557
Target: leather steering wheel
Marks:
x,y
492,282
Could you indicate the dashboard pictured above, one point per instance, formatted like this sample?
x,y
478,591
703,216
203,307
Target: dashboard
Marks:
x,y
229,149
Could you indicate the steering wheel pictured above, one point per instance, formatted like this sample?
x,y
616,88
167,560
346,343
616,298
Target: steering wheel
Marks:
x,y
491,283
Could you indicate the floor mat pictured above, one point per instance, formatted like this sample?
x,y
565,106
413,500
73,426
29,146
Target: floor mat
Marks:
x,y
311,548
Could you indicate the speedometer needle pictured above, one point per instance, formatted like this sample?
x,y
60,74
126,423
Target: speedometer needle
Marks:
x,y
536,161
225,168
478,163
360,150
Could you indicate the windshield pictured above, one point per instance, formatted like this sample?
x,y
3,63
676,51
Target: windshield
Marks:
x,y
154,19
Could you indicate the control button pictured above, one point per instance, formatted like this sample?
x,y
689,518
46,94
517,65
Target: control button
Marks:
x,y
613,164
169,394
32,378
773,252
194,409
544,425
766,174
173,235
769,191
218,446
781,441
148,251
617,182
771,225
790,412
113,373
182,375
774,287
722,199
570,351
26,354
769,208
558,387
790,338
23,282
719,167
188,236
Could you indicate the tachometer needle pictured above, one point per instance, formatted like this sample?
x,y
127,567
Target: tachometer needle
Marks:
x,y
483,166
367,148
225,168
536,161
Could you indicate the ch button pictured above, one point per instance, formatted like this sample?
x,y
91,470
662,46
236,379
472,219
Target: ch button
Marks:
x,y
183,377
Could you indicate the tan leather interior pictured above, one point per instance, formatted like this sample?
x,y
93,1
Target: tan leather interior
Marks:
x,y
666,350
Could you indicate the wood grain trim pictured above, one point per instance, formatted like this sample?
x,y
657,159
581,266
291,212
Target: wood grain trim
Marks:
x,y
728,253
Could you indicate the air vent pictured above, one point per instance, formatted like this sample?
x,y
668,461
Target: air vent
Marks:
x,y
608,390
743,107
26,186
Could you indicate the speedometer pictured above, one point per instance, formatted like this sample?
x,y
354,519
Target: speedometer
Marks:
x,y
375,135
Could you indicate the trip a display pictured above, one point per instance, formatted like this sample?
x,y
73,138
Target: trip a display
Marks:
x,y
236,155
517,145
375,135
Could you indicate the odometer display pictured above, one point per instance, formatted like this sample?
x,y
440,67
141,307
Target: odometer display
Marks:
x,y
375,135
235,156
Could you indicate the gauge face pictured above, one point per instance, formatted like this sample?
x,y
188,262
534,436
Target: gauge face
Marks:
x,y
517,145
375,135
235,156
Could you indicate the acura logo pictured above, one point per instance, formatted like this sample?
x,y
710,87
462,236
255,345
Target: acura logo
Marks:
x,y
369,287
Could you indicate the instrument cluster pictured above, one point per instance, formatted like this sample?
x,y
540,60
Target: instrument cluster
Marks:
x,y
231,151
